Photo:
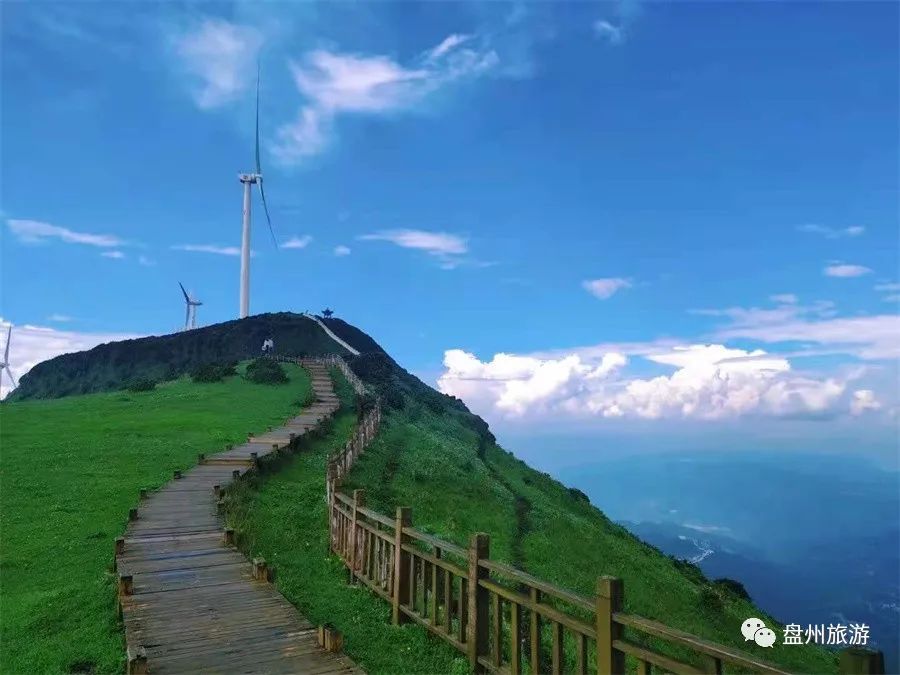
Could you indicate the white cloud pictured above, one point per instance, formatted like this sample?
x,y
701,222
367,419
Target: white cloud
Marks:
x,y
604,29
297,242
36,232
866,337
306,136
29,345
888,287
59,318
863,400
115,255
605,288
845,270
334,83
341,250
784,298
446,247
709,382
210,248
831,232
220,58
449,43
145,261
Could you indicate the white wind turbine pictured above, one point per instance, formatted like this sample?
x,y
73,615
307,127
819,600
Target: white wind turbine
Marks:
x,y
249,179
191,305
4,366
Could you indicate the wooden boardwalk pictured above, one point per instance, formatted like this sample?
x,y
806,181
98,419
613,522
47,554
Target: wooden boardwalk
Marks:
x,y
191,603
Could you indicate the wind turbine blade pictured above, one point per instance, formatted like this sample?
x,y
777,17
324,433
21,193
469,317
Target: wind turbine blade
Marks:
x,y
12,379
258,169
8,337
187,316
186,297
262,193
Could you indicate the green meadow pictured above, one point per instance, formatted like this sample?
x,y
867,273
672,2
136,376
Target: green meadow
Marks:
x,y
70,470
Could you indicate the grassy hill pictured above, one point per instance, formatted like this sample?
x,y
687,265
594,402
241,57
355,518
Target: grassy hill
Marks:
x,y
71,468
110,366
433,454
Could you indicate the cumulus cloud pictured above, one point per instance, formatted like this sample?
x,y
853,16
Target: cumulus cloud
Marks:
x,y
219,57
862,401
832,232
341,250
115,255
844,270
38,232
605,288
29,345
297,242
709,382
334,84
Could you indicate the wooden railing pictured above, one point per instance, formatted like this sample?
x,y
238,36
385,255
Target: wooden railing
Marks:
x,y
339,464
506,620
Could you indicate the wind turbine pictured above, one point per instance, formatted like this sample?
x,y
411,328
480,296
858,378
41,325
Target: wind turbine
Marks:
x,y
249,179
190,313
4,366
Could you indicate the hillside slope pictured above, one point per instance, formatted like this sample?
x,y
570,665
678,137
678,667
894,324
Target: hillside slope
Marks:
x,y
71,469
434,455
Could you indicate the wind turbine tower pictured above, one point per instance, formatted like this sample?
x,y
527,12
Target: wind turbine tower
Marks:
x,y
248,180
4,366
190,313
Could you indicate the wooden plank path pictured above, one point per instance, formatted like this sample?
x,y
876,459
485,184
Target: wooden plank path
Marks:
x,y
190,602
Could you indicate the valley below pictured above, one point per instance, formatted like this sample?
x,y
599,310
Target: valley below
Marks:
x,y
812,540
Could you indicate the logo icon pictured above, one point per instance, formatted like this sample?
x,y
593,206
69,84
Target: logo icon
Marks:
x,y
754,629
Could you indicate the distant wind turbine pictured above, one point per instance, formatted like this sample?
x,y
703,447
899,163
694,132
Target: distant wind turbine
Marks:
x,y
4,366
249,179
190,313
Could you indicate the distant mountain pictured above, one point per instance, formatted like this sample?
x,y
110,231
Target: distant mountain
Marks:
x,y
824,573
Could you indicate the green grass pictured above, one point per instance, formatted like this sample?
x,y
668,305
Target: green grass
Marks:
x,y
430,462
71,468
281,516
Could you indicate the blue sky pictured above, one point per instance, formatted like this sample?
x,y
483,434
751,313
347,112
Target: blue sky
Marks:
x,y
590,188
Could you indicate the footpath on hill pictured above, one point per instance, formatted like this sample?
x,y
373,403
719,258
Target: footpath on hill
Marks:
x,y
189,600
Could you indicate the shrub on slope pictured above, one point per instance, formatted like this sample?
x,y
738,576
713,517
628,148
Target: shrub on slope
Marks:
x,y
265,371
213,372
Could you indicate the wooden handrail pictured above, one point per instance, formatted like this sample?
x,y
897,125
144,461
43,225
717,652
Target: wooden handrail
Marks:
x,y
545,587
697,644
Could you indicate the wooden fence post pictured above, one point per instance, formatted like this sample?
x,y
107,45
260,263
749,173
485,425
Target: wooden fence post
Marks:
x,y
610,599
858,661
478,626
401,566
359,499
